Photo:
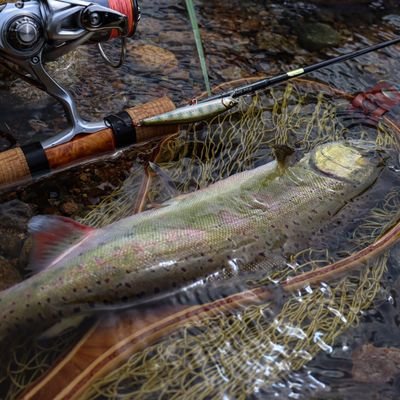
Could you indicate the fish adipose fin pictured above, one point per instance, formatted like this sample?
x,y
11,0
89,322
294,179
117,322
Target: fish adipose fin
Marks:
x,y
53,236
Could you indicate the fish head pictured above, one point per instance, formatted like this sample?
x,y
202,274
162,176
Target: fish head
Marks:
x,y
355,161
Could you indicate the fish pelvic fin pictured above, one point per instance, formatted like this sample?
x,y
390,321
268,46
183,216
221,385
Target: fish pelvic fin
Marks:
x,y
53,238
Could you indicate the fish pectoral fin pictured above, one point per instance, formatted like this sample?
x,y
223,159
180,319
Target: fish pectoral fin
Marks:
x,y
167,181
60,327
52,236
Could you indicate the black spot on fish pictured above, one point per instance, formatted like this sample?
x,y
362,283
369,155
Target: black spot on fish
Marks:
x,y
40,315
124,298
74,290
174,285
183,269
202,254
63,298
77,310
48,300
261,254
107,280
98,282
128,285
210,260
60,313
127,271
27,305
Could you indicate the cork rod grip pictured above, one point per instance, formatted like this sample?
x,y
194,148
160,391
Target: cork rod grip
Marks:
x,y
13,166
156,107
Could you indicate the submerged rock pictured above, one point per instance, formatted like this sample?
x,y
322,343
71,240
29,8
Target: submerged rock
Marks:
x,y
376,364
151,58
14,217
315,36
9,275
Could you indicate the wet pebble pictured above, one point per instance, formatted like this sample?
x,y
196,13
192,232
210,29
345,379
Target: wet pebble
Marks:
x,y
315,36
375,364
14,217
271,42
70,207
9,275
153,58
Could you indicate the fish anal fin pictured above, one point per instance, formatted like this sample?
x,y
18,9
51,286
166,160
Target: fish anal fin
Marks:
x,y
52,236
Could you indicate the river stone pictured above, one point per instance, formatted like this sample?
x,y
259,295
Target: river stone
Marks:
x,y
9,276
315,36
152,58
273,43
375,364
339,2
14,217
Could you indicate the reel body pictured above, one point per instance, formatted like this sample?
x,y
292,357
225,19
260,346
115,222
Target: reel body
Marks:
x,y
36,31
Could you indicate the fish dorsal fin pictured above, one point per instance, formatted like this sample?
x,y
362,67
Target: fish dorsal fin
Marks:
x,y
283,155
53,238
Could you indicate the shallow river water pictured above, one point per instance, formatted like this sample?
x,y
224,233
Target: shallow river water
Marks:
x,y
354,352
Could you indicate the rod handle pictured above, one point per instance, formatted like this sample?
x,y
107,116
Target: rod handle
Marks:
x,y
13,166
22,163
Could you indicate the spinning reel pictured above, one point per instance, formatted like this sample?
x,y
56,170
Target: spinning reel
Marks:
x,y
33,32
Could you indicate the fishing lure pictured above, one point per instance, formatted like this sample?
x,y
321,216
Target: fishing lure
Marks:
x,y
192,113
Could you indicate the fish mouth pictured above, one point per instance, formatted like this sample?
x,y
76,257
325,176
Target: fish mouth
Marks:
x,y
369,149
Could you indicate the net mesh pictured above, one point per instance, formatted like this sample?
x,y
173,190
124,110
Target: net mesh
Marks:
x,y
242,352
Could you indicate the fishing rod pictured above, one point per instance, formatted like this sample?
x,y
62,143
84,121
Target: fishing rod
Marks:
x,y
221,102
268,82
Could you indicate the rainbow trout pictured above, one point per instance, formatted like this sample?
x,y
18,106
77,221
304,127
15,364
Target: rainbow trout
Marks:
x,y
229,227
